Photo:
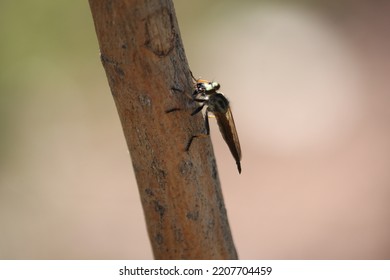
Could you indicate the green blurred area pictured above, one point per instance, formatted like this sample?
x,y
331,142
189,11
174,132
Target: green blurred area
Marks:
x,y
46,48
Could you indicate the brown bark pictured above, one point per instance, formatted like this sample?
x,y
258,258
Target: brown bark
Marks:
x,y
143,56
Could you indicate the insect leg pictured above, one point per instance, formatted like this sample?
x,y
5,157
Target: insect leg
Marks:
x,y
207,123
197,110
172,110
175,89
200,135
192,75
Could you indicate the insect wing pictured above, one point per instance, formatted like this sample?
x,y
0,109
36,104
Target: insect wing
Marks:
x,y
229,133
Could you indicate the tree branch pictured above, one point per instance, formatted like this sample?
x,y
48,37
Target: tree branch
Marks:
x,y
143,56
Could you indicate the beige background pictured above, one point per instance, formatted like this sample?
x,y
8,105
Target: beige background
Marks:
x,y
308,84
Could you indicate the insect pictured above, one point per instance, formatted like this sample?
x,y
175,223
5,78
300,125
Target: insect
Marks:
x,y
206,93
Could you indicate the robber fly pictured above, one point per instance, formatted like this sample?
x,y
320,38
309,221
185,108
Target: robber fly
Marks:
x,y
206,93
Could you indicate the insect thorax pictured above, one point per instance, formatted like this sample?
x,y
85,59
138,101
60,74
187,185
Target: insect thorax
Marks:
x,y
218,103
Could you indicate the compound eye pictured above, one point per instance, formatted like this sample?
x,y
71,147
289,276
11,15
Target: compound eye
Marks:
x,y
200,87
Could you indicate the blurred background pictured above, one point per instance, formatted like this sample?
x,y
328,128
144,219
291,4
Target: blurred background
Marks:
x,y
308,84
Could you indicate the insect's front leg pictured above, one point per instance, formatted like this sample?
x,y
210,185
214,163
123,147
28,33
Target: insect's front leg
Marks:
x,y
174,90
197,110
207,125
